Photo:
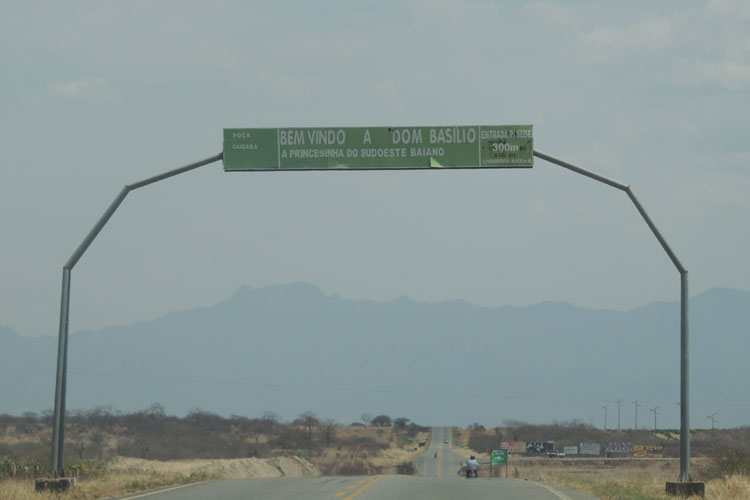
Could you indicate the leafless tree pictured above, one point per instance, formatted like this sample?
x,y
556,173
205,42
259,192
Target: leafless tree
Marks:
x,y
47,415
156,410
309,420
329,427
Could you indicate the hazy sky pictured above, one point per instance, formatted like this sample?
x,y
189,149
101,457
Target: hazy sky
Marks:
x,y
95,95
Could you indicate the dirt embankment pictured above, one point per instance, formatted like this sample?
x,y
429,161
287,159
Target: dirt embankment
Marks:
x,y
238,468
377,455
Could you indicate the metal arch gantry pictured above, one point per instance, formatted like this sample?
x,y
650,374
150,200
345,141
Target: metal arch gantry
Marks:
x,y
58,435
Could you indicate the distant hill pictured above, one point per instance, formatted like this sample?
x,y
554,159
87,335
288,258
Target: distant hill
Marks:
x,y
291,348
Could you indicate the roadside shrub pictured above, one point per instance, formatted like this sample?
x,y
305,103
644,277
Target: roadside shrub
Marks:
x,y
257,451
361,443
480,441
731,461
290,438
78,469
7,467
96,435
351,469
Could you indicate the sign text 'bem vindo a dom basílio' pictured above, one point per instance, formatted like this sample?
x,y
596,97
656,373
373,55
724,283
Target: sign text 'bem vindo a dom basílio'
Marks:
x,y
328,148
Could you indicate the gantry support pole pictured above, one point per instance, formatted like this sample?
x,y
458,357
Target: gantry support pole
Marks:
x,y
684,337
58,430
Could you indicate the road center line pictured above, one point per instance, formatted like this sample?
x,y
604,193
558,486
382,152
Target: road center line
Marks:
x,y
363,488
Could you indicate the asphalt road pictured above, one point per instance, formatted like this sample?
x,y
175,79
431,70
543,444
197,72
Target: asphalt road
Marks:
x,y
436,479
439,461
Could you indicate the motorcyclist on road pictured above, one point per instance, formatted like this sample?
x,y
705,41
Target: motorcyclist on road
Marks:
x,y
472,467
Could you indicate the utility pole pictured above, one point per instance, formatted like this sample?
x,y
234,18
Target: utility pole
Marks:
x,y
637,403
714,419
654,410
605,416
619,405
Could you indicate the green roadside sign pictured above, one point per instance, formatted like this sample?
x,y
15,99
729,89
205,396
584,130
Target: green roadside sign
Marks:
x,y
499,457
377,148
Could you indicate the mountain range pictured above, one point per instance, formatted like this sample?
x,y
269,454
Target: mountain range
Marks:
x,y
292,348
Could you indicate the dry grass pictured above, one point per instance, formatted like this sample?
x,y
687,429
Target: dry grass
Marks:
x,y
109,485
641,479
395,454
729,488
232,468
130,475
651,488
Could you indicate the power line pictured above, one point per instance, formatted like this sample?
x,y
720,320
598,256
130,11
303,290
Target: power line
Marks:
x,y
332,388
272,385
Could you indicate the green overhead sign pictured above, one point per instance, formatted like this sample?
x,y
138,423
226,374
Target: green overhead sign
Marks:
x,y
330,148
499,457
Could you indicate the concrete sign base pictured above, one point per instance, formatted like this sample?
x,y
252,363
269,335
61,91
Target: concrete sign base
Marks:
x,y
686,489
